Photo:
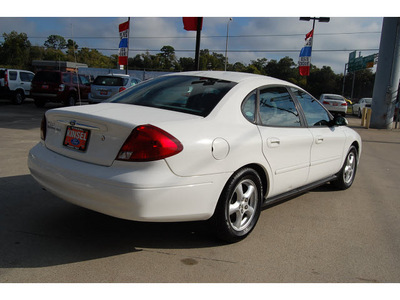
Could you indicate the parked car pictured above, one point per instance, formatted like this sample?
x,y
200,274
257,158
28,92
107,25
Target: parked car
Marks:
x,y
336,104
195,146
57,86
358,107
105,86
15,84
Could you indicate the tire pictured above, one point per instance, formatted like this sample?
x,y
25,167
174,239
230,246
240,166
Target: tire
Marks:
x,y
239,206
19,97
71,100
39,102
348,172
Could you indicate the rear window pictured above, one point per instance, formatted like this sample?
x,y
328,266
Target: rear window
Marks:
x,y
53,77
333,97
109,81
188,94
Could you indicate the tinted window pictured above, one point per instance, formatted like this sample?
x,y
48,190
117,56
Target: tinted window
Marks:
x,y
84,79
26,76
74,78
249,106
189,94
12,75
277,108
66,77
43,76
315,114
109,81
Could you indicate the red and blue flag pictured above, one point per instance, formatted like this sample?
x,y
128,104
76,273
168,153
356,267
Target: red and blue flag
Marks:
x,y
305,55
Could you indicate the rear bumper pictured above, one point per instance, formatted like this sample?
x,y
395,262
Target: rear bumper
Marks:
x,y
133,191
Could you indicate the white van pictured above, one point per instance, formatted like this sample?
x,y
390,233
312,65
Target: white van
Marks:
x,y
15,84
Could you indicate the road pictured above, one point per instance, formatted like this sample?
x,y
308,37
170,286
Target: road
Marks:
x,y
323,236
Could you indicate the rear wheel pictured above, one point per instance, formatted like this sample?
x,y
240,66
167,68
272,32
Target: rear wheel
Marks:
x,y
71,100
19,97
348,172
239,206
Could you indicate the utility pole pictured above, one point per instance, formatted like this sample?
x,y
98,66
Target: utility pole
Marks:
x,y
387,75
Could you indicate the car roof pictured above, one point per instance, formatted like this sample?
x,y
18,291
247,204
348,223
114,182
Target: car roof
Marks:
x,y
233,76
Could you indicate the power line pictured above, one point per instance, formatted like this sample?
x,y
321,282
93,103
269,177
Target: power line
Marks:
x,y
213,36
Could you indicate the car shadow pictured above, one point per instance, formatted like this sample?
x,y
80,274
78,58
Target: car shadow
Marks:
x,y
38,229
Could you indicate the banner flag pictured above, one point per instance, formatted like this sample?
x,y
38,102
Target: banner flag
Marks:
x,y
124,43
190,23
305,55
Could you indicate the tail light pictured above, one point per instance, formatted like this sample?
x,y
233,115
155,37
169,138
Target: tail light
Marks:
x,y
149,143
43,128
5,78
325,102
344,104
122,88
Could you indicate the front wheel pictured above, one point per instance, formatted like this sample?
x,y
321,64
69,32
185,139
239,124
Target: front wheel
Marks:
x,y
19,97
239,206
348,172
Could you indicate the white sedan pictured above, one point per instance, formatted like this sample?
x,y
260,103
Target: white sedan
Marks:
x,y
195,146
358,107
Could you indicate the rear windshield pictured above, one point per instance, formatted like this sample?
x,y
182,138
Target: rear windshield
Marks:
x,y
109,81
334,97
53,77
188,94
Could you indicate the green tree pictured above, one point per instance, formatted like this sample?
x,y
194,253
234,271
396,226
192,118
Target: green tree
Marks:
x,y
55,42
14,51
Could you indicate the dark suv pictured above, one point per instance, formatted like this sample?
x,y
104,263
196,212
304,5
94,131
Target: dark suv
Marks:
x,y
57,86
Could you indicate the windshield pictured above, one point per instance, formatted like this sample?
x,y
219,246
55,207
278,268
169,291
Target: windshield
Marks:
x,y
188,94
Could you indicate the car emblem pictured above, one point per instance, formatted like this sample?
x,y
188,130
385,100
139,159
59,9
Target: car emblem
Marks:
x,y
72,123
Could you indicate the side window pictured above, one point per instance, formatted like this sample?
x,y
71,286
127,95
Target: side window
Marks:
x,y
315,114
83,79
249,106
277,108
74,78
12,75
26,77
66,77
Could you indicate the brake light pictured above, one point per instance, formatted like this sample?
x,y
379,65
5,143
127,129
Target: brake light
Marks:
x,y
344,104
149,143
5,78
43,128
122,88
325,102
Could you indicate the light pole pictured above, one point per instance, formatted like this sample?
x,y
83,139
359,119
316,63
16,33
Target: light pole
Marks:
x,y
226,48
321,19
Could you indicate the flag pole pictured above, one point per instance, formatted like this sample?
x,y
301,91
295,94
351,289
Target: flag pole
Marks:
x,y
127,52
197,55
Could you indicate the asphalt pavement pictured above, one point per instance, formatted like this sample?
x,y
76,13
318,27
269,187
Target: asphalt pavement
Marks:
x,y
323,236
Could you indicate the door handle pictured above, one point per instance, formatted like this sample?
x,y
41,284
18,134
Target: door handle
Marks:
x,y
273,142
319,139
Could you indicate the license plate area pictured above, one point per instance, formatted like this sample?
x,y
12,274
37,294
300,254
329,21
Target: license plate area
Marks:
x,y
76,138
103,93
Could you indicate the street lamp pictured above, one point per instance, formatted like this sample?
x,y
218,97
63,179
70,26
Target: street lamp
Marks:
x,y
320,19
226,48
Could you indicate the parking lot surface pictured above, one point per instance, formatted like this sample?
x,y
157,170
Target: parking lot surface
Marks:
x,y
321,236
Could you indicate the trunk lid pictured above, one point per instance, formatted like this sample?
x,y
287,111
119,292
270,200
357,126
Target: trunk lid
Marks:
x,y
96,133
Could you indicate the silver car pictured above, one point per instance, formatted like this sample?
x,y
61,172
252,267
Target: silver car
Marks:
x,y
105,86
336,104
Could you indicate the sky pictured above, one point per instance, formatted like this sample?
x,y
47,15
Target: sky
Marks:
x,y
256,31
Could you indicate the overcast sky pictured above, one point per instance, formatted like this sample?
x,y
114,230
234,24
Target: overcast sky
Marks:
x,y
255,31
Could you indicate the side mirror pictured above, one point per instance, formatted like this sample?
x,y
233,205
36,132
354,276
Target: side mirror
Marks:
x,y
339,121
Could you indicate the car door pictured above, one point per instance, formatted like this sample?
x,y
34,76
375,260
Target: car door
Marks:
x,y
25,81
328,141
286,143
